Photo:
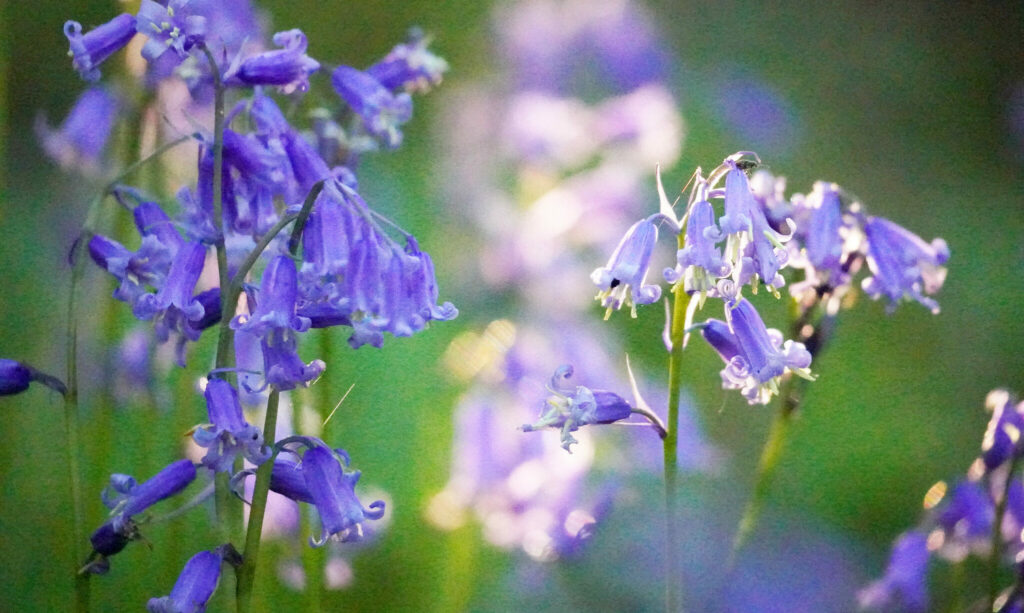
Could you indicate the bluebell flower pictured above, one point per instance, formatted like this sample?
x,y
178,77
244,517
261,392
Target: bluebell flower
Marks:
x,y
823,240
410,66
381,111
15,378
700,260
91,49
228,434
754,356
275,322
965,518
82,137
333,494
1006,427
904,587
754,248
287,479
354,274
171,26
173,307
194,587
569,408
903,265
126,498
305,164
623,279
288,68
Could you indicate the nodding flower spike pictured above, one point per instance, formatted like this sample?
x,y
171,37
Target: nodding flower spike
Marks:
x,y
903,264
91,49
288,68
194,587
569,408
228,434
333,493
623,279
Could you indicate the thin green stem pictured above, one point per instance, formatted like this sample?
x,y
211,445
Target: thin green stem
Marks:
x,y
766,468
72,414
250,557
997,537
673,577
72,426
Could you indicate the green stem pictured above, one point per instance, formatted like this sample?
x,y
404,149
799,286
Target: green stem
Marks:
x,y
72,427
766,468
673,577
250,557
72,414
997,537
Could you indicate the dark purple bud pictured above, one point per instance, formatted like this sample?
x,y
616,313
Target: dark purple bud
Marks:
x,y
210,299
108,541
90,50
14,377
194,586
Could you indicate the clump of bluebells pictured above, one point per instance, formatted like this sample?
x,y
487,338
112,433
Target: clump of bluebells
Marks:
x,y
275,208
740,234
981,515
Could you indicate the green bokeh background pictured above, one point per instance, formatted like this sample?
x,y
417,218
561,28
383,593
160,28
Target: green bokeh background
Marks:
x,y
903,103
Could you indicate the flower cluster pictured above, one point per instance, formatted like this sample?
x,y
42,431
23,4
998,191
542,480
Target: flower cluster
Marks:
x,y
760,235
258,176
981,515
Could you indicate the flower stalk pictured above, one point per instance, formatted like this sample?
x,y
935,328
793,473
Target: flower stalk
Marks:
x,y
250,557
673,578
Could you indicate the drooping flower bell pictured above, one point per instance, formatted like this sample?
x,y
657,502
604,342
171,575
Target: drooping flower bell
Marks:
x,y
569,408
228,434
903,264
287,68
623,279
82,137
410,66
333,493
382,112
91,49
194,587
965,518
125,497
904,587
700,260
754,356
276,323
